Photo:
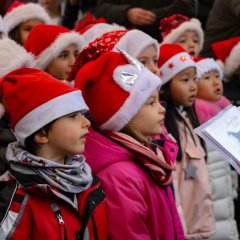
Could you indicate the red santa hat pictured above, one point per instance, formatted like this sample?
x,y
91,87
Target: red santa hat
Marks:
x,y
47,100
91,28
115,86
3,30
206,65
46,42
227,53
19,12
13,56
174,26
172,61
133,42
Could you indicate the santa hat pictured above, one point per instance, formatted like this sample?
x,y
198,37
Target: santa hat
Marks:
x,y
13,56
46,42
47,100
172,61
133,42
206,65
19,12
115,88
174,26
3,30
227,53
91,28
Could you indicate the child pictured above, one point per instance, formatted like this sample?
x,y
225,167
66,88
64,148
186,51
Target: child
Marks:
x,y
184,31
209,102
91,28
55,49
137,43
12,56
210,99
20,18
191,183
227,53
136,173
45,190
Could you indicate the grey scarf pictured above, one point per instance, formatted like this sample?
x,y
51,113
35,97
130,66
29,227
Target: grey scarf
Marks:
x,y
73,177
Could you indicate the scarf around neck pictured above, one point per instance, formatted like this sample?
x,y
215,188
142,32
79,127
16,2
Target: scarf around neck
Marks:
x,y
73,177
158,168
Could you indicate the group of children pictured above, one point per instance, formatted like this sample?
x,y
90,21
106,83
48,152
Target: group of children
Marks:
x,y
158,180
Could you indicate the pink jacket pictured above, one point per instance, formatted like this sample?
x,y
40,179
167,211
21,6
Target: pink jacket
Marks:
x,y
208,109
138,208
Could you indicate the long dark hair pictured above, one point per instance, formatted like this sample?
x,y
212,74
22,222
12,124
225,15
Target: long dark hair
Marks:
x,y
172,116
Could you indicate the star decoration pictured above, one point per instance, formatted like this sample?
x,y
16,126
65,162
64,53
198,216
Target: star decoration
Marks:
x,y
183,59
171,65
190,171
161,74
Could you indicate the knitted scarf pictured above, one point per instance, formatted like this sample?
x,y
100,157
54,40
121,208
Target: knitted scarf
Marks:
x,y
73,177
158,168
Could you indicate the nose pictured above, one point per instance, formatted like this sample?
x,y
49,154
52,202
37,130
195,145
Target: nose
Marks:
x,y
85,122
71,60
153,68
162,110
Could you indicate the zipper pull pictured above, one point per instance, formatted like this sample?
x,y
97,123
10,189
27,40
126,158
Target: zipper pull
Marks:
x,y
57,212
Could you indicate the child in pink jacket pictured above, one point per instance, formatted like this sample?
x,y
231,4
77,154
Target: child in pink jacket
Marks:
x,y
210,99
122,96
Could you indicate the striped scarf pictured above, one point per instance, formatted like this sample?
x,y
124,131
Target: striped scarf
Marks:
x,y
158,168
73,177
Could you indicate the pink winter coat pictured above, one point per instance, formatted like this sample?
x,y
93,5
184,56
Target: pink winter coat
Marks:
x,y
208,109
137,207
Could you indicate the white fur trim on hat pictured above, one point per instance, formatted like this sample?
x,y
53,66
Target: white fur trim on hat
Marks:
x,y
3,30
62,41
232,62
175,65
134,42
145,84
194,24
207,65
99,29
13,56
23,13
48,112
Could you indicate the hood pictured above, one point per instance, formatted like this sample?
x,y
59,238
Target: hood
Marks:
x,y
100,151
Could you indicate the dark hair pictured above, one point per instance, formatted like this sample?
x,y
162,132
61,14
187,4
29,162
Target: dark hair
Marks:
x,y
172,116
30,144
14,34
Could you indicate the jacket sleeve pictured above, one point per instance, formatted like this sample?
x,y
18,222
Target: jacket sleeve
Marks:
x,y
112,11
235,8
185,7
127,209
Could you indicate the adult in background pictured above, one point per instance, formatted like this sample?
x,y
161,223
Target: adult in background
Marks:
x,y
223,23
141,14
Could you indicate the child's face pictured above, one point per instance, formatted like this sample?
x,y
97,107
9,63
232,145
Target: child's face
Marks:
x,y
61,65
190,42
148,57
26,27
183,87
210,86
150,118
66,136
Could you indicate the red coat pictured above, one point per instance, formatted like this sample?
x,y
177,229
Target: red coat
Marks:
x,y
36,214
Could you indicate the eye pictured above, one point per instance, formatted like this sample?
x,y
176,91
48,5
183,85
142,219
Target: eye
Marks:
x,y
155,61
143,62
75,53
63,55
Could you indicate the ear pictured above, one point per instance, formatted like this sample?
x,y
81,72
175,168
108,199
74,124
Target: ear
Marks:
x,y
41,137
